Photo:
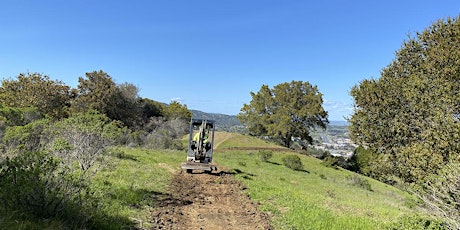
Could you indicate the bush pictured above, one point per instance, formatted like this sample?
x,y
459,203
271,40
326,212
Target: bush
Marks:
x,y
362,161
318,153
48,166
419,222
293,162
166,134
265,155
336,162
331,162
358,181
36,183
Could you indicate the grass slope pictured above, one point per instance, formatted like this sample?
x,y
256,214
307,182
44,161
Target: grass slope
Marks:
x,y
316,198
135,181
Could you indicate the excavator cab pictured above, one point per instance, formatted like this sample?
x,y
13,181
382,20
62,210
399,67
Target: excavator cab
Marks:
x,y
200,146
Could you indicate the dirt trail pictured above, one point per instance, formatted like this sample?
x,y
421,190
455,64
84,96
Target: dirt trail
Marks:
x,y
207,201
221,138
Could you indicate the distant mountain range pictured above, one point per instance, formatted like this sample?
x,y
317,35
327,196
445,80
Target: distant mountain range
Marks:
x,y
223,122
339,123
230,122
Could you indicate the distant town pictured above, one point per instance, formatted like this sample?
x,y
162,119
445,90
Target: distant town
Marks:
x,y
334,139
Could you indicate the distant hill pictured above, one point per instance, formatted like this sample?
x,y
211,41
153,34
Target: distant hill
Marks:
x,y
223,122
231,123
338,123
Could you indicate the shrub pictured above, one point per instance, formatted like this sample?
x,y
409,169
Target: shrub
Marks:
x,y
362,161
318,153
293,162
358,181
36,183
336,162
265,155
48,166
166,134
419,222
331,162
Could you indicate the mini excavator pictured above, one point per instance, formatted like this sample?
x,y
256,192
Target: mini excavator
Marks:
x,y
200,146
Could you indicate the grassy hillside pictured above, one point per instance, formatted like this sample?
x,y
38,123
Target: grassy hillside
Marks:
x,y
318,197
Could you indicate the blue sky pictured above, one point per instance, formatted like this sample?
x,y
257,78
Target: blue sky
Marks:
x,y
211,54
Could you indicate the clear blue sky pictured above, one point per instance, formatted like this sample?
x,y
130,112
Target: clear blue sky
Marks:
x,y
210,54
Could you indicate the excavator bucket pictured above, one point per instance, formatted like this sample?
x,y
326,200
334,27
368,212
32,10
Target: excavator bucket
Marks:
x,y
200,146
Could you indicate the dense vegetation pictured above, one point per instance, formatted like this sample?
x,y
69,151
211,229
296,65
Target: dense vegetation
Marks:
x,y
408,119
56,139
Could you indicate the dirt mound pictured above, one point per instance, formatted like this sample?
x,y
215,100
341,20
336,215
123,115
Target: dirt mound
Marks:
x,y
207,201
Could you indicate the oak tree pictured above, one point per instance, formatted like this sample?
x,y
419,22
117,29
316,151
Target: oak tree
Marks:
x,y
287,111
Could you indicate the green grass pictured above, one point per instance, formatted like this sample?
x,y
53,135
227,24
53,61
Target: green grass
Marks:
x,y
132,183
318,197
135,182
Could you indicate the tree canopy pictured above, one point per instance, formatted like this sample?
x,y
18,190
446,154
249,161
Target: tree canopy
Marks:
x,y
33,96
95,92
34,90
410,114
286,111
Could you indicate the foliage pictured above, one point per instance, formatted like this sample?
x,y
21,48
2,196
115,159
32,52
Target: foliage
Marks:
x,y
293,162
38,185
333,162
318,153
11,116
265,155
125,106
286,111
28,138
419,222
410,114
121,102
362,160
96,92
16,117
151,108
35,90
441,194
48,166
91,122
176,110
165,134
82,139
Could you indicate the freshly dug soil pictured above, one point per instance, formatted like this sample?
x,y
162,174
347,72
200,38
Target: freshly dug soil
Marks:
x,y
207,201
